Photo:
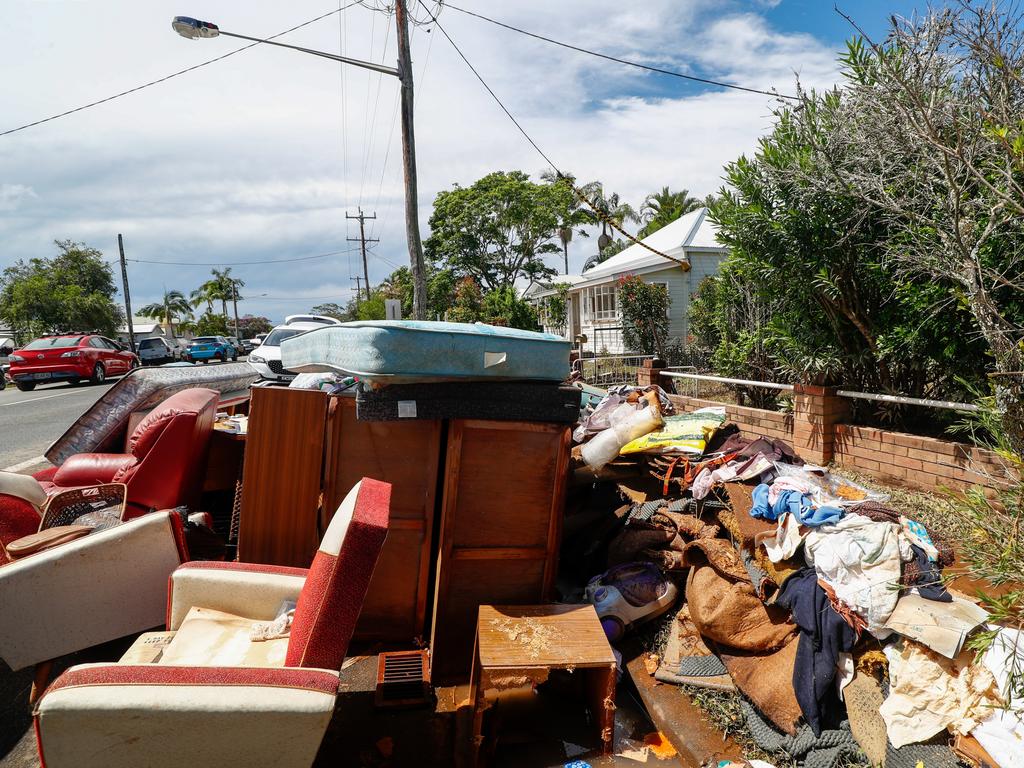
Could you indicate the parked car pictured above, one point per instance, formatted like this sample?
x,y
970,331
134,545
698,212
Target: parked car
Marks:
x,y
239,349
6,348
72,357
248,345
266,358
208,348
259,338
158,350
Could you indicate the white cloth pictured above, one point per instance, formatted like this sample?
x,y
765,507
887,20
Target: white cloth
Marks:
x,y
1002,732
784,541
929,693
860,559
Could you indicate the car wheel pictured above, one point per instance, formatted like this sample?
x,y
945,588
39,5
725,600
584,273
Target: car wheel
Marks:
x,y
99,374
221,357
26,386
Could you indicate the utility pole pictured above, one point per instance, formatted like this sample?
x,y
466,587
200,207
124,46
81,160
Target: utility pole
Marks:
x,y
359,287
412,215
127,296
234,301
363,240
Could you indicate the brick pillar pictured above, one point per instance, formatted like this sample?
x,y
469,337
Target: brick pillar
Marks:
x,y
816,411
650,372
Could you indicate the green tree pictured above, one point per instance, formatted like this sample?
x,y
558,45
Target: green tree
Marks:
x,y
504,307
73,290
331,309
499,229
615,246
212,324
250,325
173,305
220,287
664,207
467,303
575,216
644,308
440,290
611,209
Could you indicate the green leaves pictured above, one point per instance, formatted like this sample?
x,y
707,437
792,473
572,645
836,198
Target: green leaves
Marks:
x,y
499,229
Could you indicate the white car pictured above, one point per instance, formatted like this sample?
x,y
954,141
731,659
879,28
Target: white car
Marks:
x,y
266,358
157,350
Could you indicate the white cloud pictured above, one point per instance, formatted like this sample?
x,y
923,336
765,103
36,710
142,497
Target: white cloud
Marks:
x,y
244,160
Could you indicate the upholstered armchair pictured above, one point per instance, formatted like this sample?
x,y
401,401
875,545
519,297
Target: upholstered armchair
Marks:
x,y
98,588
169,715
163,466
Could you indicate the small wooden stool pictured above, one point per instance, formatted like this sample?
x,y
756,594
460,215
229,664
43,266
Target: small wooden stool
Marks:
x,y
519,644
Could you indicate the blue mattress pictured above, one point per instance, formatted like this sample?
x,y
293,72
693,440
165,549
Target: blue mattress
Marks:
x,y
393,351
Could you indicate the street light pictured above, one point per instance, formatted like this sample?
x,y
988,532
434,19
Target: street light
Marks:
x,y
194,29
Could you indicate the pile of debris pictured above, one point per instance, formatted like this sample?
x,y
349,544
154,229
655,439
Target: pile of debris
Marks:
x,y
803,591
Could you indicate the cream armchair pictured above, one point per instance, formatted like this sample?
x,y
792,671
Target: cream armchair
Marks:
x,y
166,716
88,591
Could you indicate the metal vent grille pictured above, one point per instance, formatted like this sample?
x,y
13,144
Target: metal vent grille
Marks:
x,y
403,679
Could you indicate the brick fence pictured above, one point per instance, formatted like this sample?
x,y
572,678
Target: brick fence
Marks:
x,y
818,431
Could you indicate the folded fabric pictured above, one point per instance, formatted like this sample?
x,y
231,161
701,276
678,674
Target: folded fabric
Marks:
x,y
824,636
1001,734
794,502
919,537
929,693
784,541
861,560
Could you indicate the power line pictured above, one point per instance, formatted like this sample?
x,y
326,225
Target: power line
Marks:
x,y
241,263
299,298
608,57
174,74
602,216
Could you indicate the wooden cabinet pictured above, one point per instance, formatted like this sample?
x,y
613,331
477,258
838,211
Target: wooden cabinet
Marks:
x,y
281,477
504,490
406,454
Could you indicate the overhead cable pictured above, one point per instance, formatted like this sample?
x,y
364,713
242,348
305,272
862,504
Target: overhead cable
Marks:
x,y
601,215
240,263
174,74
638,65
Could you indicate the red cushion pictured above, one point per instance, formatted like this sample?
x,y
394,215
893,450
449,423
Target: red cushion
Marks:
x,y
332,598
18,518
191,401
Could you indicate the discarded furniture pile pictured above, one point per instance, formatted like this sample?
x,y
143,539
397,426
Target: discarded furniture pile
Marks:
x,y
824,607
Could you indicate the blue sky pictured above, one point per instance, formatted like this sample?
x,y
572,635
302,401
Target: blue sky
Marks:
x,y
259,157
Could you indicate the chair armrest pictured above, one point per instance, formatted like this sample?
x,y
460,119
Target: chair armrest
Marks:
x,y
91,469
103,715
243,589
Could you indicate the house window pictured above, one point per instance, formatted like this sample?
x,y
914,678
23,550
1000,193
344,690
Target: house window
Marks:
x,y
600,303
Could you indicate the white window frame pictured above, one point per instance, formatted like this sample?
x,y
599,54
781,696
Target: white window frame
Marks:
x,y
601,303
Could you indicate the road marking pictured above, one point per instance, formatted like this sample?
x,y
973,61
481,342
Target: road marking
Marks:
x,y
26,464
37,399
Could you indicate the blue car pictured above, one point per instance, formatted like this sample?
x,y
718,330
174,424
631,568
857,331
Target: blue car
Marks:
x,y
208,348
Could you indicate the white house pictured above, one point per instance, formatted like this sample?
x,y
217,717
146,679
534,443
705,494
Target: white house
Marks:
x,y
593,303
144,328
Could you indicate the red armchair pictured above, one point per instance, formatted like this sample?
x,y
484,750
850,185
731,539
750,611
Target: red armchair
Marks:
x,y
207,711
163,467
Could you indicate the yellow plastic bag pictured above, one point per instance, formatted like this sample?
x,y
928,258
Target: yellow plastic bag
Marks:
x,y
684,433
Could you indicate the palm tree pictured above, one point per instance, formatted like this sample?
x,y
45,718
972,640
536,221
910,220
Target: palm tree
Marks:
x,y
664,207
174,304
221,287
576,215
202,295
610,209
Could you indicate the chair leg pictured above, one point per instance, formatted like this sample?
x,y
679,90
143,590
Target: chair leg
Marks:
x,y
40,681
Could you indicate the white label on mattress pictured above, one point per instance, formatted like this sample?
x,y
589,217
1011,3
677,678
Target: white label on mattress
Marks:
x,y
407,409
492,359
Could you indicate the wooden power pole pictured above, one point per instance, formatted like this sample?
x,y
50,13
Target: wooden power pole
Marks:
x,y
127,295
363,240
412,216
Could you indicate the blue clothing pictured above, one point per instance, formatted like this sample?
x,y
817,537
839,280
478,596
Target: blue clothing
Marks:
x,y
798,504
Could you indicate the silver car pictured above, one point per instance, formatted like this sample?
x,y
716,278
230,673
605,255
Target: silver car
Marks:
x,y
157,350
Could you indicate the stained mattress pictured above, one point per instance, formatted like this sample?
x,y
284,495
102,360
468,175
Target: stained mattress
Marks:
x,y
397,351
141,390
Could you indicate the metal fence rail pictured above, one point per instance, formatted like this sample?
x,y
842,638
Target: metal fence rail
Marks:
x,y
724,380
610,370
902,400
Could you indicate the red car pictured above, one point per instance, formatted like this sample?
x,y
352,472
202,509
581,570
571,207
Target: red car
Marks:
x,y
70,357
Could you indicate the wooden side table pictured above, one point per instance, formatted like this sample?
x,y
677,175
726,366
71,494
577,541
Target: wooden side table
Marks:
x,y
521,644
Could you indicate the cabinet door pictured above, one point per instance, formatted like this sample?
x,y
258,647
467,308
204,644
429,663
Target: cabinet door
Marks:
x,y
281,477
504,494
404,453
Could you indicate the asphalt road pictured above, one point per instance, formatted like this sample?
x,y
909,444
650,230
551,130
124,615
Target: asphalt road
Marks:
x,y
30,421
